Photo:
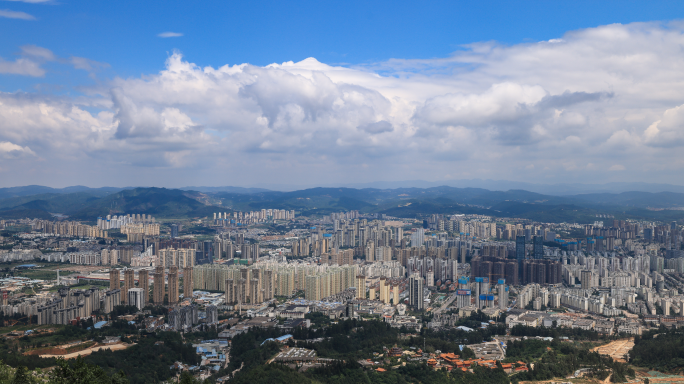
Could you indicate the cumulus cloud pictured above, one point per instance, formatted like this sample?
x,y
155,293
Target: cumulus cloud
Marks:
x,y
10,150
667,131
170,34
6,13
579,107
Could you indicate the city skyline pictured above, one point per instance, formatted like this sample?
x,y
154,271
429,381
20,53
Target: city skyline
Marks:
x,y
591,99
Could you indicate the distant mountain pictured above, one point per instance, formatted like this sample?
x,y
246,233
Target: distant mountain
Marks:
x,y
89,203
87,206
564,189
159,202
634,199
225,189
30,190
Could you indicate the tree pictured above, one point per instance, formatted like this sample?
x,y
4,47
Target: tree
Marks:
x,y
22,376
5,373
186,378
81,372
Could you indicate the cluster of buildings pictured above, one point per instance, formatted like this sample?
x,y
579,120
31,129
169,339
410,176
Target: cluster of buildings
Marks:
x,y
121,221
68,229
224,219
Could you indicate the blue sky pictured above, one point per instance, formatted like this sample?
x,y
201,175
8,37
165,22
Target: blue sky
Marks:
x,y
124,33
541,91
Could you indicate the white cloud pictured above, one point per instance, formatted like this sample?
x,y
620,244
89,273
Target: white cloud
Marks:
x,y
170,34
37,52
87,64
668,131
575,108
15,15
33,57
10,150
21,66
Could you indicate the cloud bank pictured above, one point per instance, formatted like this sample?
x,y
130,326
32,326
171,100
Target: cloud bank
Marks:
x,y
599,104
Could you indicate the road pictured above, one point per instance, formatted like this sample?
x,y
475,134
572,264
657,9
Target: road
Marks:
x,y
446,304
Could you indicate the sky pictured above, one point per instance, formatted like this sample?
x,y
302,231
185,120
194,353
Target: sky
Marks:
x,y
304,93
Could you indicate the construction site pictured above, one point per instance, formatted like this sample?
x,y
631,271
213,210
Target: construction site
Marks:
x,y
617,349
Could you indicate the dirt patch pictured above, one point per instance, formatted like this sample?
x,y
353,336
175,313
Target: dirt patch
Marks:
x,y
617,349
62,350
88,351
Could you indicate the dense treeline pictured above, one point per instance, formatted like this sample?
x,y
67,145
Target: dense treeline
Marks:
x,y
351,340
351,373
80,372
555,332
357,339
562,359
148,361
661,350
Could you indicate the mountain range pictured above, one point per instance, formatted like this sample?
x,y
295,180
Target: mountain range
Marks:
x,y
83,203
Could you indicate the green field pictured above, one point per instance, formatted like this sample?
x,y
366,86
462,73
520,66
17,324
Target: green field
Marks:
x,y
39,274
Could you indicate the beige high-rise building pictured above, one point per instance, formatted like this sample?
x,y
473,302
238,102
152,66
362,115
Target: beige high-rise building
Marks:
x,y
360,287
187,283
114,279
384,290
129,283
113,257
173,285
144,283
395,295
371,294
257,296
158,288
181,258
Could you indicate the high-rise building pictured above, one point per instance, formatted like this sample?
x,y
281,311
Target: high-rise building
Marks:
x,y
384,290
187,283
503,294
158,288
481,291
113,257
416,292
114,279
520,248
174,231
135,298
173,285
538,250
212,314
144,284
360,287
129,283
586,279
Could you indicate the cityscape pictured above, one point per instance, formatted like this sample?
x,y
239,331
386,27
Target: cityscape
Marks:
x,y
337,192
473,282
